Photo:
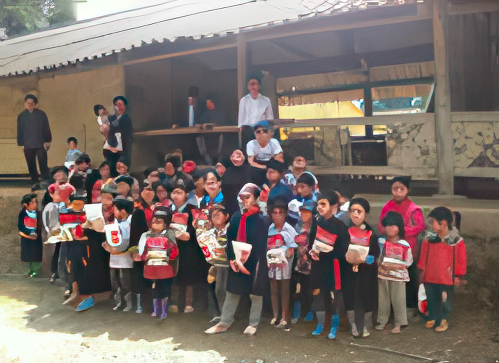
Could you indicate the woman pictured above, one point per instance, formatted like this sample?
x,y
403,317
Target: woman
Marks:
x,y
196,196
249,226
161,193
146,203
235,177
212,189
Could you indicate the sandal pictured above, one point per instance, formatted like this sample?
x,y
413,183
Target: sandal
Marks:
x,y
217,329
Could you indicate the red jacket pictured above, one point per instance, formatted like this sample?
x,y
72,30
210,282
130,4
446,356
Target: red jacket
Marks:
x,y
440,262
414,222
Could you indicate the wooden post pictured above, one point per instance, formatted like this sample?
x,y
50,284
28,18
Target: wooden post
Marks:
x,y
241,66
443,130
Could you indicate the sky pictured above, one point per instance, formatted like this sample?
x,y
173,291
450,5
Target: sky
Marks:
x,y
95,8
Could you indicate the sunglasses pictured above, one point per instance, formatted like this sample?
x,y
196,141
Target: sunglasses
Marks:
x,y
262,131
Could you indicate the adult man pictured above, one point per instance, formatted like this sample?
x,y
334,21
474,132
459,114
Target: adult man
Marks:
x,y
33,134
253,108
122,125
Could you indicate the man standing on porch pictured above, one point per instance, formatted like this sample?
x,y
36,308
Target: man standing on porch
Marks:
x,y
253,108
34,136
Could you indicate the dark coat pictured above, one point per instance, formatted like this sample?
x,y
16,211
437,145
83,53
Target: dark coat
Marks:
x,y
93,275
126,129
33,129
31,250
233,180
257,231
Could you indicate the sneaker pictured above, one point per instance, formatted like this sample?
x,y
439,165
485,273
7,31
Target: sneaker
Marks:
x,y
355,332
396,329
294,321
366,333
430,324
273,321
67,294
380,327
318,330
173,309
117,306
217,329
188,309
250,330
444,325
54,277
86,304
282,324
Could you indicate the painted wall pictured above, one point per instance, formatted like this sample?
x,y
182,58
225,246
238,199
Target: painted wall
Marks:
x,y
476,144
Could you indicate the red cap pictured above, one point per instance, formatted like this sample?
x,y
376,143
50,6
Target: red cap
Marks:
x,y
189,166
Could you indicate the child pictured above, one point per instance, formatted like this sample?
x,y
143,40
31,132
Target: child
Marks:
x,y
280,249
301,275
29,225
121,262
361,275
73,153
305,187
328,244
122,168
159,249
261,150
113,146
443,264
414,224
396,257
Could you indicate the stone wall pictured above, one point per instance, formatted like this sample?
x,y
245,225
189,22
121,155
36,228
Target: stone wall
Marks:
x,y
412,147
476,144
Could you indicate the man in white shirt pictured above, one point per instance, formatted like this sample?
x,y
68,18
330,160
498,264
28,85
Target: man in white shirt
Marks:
x,y
253,108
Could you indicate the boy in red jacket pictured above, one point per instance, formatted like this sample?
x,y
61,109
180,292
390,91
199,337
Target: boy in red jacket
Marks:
x,y
443,264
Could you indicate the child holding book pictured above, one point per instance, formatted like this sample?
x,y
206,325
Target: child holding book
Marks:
x,y
30,229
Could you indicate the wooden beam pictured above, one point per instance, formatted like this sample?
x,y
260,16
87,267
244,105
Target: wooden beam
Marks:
x,y
443,131
188,131
492,116
242,65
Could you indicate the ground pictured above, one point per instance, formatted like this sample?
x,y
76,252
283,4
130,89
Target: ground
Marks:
x,y
35,326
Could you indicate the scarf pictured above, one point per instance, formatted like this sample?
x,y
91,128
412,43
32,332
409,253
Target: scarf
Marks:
x,y
218,199
241,232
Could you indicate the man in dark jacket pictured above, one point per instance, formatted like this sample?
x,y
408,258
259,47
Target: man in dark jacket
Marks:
x,y
33,134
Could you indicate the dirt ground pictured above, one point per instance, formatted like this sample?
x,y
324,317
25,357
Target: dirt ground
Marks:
x,y
35,326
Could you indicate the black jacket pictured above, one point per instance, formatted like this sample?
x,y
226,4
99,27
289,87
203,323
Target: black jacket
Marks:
x,y
33,129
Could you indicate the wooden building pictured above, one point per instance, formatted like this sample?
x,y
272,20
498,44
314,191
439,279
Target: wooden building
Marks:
x,y
422,74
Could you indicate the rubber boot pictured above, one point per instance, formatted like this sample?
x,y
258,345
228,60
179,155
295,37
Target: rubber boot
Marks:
x,y
128,301
335,323
321,315
117,300
310,314
351,320
164,308
139,305
368,324
296,312
155,307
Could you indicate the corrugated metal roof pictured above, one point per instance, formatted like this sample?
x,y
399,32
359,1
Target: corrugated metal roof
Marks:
x,y
163,22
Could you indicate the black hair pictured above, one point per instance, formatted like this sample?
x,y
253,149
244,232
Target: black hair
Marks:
x,y
193,91
277,203
406,180
362,202
97,108
31,97
175,159
211,171
306,178
394,219
123,204
254,76
83,158
123,159
442,214
332,198
78,181
198,174
122,98
27,198
103,164
72,138
276,165
149,170
457,219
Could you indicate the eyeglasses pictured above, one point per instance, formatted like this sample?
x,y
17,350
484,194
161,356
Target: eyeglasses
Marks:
x,y
262,131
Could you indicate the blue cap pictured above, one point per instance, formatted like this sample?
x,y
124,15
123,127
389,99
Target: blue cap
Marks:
x,y
264,124
308,205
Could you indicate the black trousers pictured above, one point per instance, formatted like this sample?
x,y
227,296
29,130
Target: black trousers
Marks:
x,y
112,159
412,286
31,155
54,268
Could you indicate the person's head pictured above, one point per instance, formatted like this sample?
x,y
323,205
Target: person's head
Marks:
x,y
358,209
393,223
54,193
237,157
161,219
104,171
254,83
275,171
249,195
299,163
193,92
326,204
83,162
173,162
151,174
106,199
123,207
120,104
263,132
59,174
305,185
212,182
198,177
100,110
278,210
218,216
400,188
441,220
148,193
122,165
160,190
30,202
72,143
179,192
124,185
306,210
220,168
30,102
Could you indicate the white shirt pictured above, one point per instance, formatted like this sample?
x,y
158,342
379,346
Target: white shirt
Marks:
x,y
253,110
124,260
266,153
119,147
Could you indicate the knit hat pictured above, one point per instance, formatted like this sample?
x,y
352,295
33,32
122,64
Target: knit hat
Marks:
x,y
124,179
406,180
124,160
163,213
362,202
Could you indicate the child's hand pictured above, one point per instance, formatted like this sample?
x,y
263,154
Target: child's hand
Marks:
x,y
289,252
314,255
184,236
459,282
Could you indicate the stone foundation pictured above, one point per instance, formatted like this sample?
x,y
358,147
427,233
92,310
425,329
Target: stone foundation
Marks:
x,y
476,144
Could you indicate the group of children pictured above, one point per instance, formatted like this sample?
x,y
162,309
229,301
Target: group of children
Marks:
x,y
243,228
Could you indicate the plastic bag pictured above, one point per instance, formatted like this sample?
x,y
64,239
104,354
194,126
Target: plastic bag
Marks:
x,y
242,251
113,235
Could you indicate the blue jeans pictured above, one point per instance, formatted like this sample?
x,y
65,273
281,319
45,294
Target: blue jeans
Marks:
x,y
438,306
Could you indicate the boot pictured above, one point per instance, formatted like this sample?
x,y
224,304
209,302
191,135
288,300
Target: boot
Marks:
x,y
128,300
368,324
351,320
139,305
335,323
164,308
296,312
117,299
155,307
